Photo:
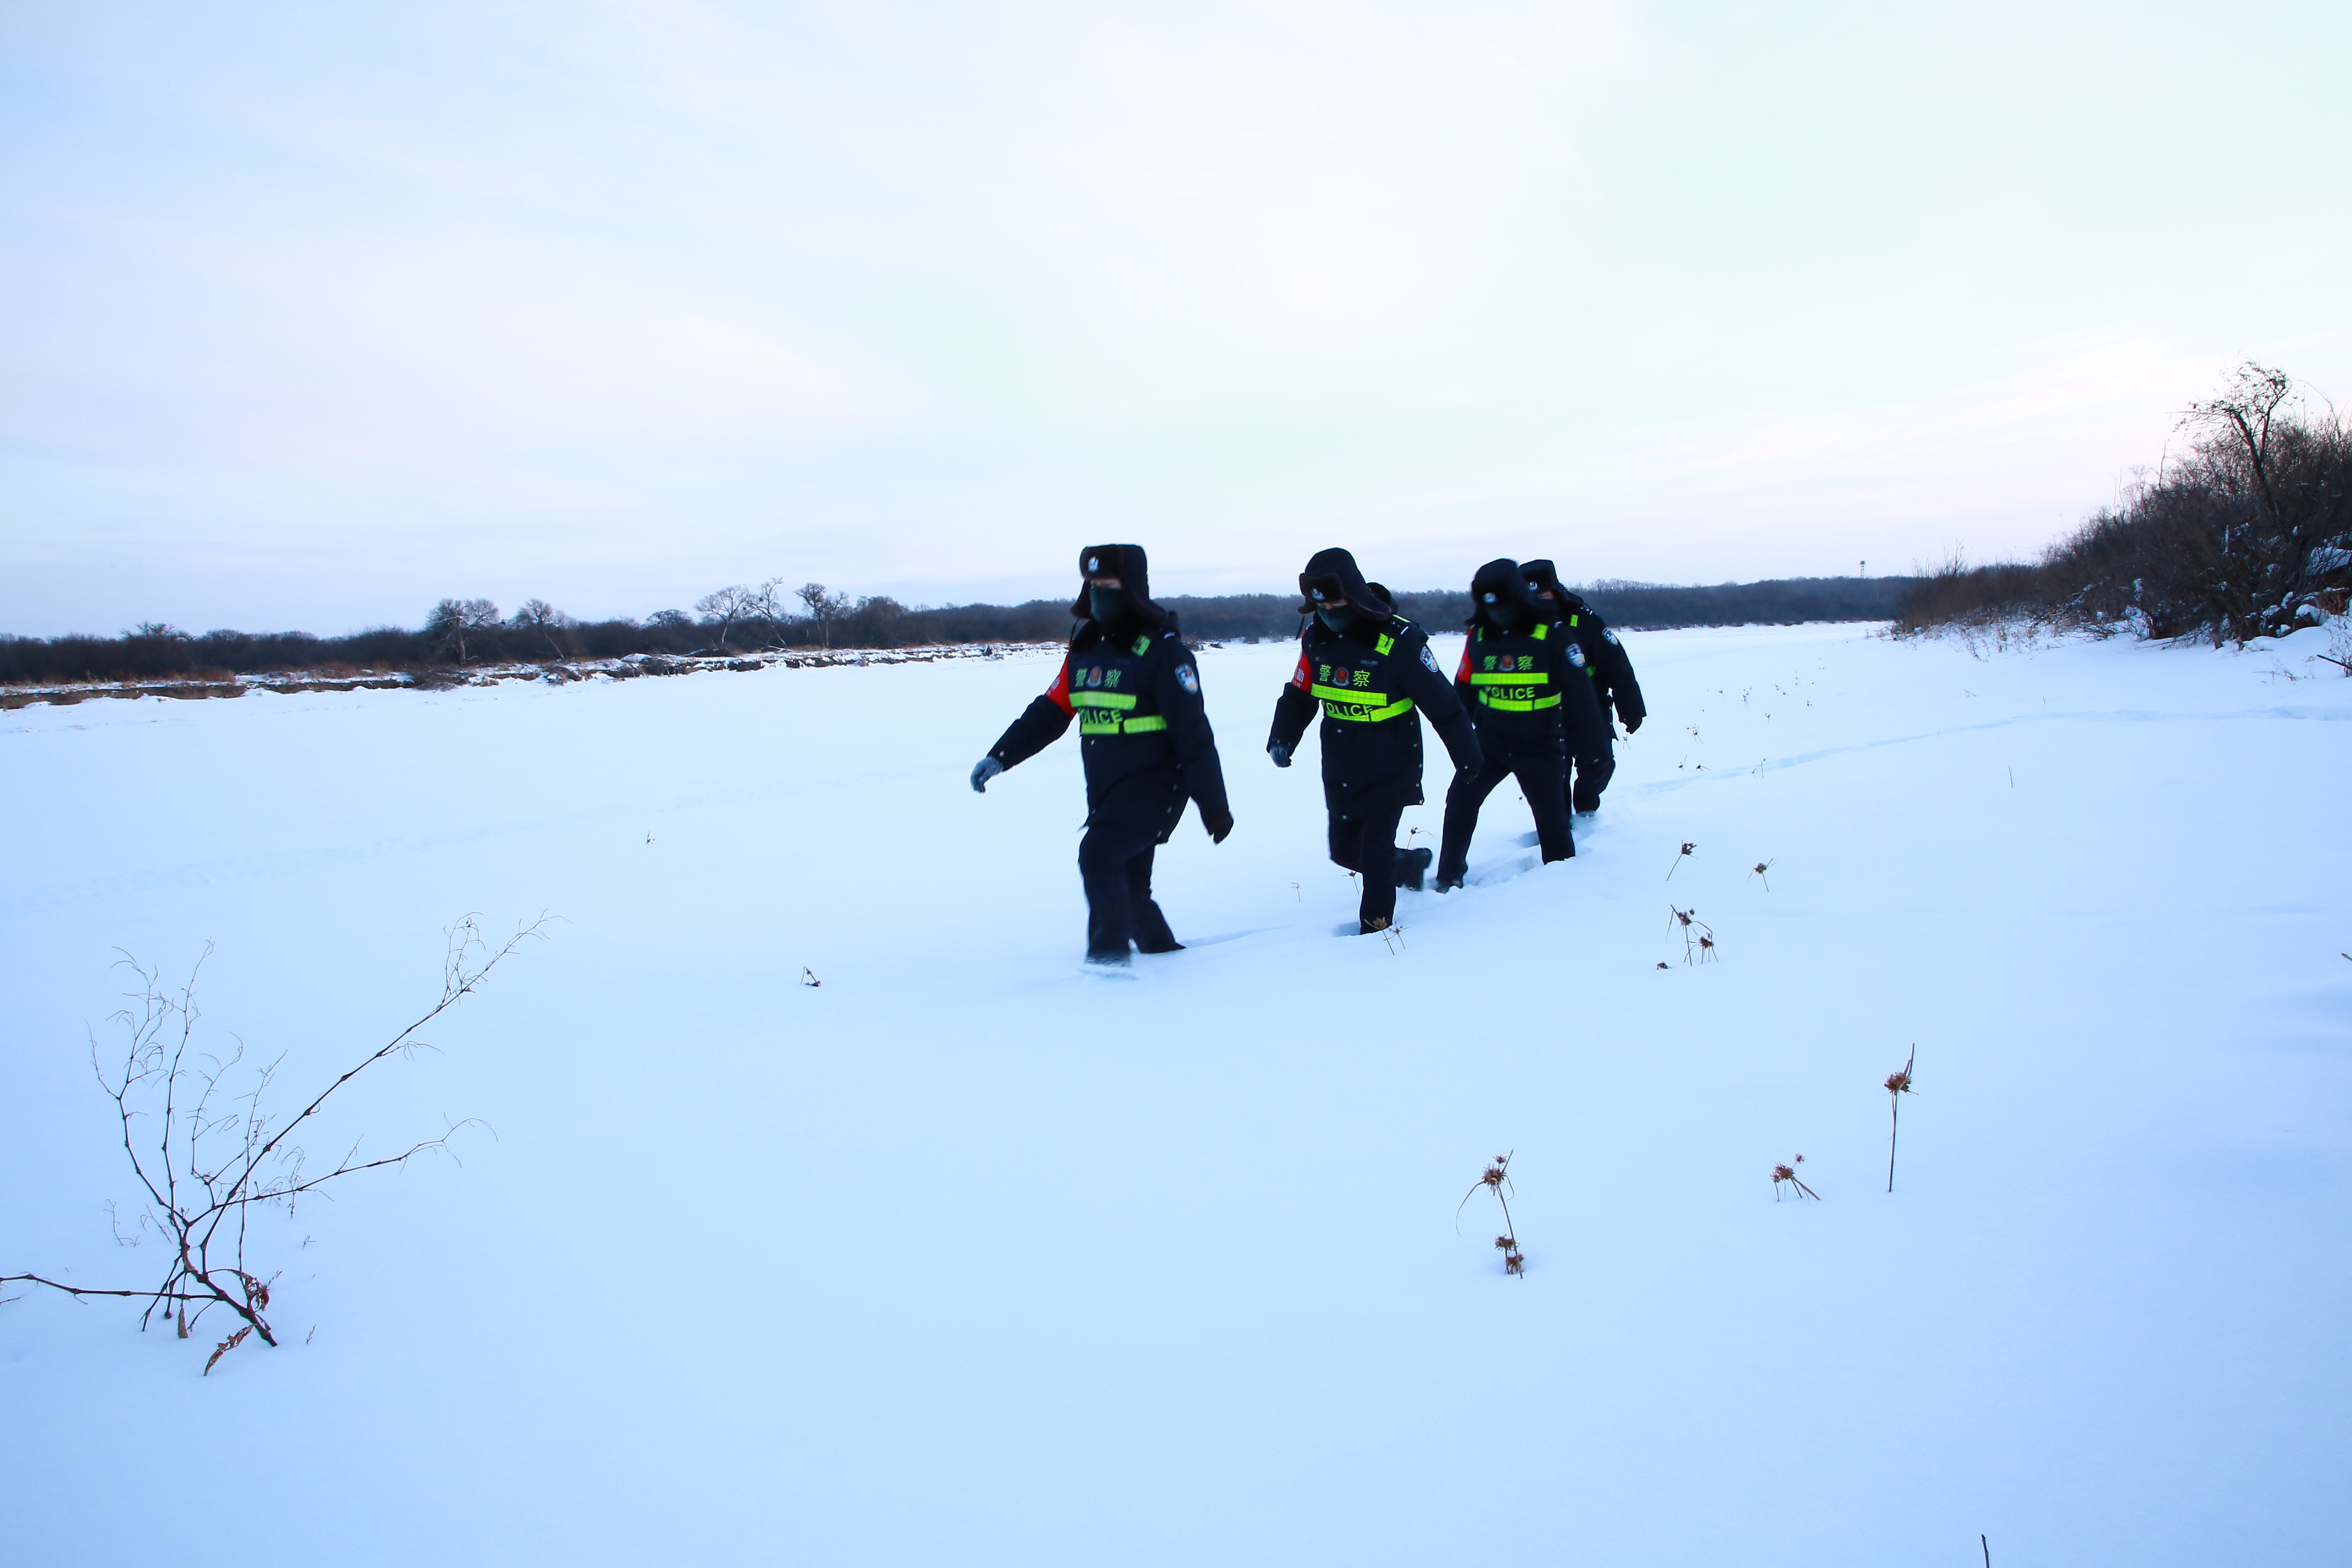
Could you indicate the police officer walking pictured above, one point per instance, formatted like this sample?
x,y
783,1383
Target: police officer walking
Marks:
x,y
1524,681
1613,679
1369,670
1132,684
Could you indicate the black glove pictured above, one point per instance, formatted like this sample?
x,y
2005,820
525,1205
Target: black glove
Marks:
x,y
983,770
1632,725
1218,822
1280,752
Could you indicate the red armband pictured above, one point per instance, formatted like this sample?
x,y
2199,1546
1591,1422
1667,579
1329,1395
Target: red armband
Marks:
x,y
1300,677
1059,692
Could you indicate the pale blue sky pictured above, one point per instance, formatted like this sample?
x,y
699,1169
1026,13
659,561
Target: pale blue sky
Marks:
x,y
315,314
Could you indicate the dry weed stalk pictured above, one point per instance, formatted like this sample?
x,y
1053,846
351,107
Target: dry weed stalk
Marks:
x,y
216,1155
1680,857
1898,1084
1698,937
1788,1173
1495,1179
1761,868
808,977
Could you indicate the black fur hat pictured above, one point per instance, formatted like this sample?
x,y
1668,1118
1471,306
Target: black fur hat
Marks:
x,y
1501,580
1334,572
1544,578
1129,565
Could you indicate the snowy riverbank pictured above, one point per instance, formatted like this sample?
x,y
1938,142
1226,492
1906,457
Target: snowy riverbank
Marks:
x,y
962,1257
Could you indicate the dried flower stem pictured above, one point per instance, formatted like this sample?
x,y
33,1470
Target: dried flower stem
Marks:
x,y
1898,1084
1495,1179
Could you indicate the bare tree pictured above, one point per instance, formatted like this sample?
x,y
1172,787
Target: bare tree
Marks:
x,y
768,608
205,1155
823,608
727,606
2271,497
453,618
538,615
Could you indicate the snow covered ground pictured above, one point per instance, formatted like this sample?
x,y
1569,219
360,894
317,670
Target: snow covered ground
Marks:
x,y
961,1257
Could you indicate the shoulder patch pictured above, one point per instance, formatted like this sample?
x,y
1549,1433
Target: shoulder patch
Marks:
x,y
1188,680
1576,655
1429,659
1609,636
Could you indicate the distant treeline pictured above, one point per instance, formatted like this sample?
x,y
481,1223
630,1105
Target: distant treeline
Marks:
x,y
2246,532
742,620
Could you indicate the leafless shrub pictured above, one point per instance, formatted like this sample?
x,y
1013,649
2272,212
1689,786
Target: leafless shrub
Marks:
x,y
206,1150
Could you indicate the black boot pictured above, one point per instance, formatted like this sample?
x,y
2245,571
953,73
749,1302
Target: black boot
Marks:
x,y
1411,865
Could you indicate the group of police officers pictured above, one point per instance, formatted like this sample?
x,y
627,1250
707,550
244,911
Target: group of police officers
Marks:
x,y
1532,700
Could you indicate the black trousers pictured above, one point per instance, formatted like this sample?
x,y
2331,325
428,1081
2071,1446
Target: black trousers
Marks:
x,y
1367,845
1592,775
1114,863
1543,779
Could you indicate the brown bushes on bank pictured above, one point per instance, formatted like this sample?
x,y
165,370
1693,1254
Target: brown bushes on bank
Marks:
x,y
2245,532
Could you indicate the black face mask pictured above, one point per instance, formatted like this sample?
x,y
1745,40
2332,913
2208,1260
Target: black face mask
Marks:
x,y
1340,618
1106,606
1506,612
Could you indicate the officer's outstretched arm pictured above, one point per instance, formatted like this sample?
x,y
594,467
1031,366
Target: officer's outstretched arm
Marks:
x,y
1040,725
1623,688
1434,696
1582,719
1293,711
1177,688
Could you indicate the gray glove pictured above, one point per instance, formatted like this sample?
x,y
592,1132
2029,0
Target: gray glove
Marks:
x,y
1280,752
983,770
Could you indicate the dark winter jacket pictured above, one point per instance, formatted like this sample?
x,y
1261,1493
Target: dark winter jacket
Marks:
x,y
1144,735
1604,656
1522,677
1385,668
1529,693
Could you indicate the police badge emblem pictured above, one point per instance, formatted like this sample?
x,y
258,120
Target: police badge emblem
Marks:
x,y
1186,678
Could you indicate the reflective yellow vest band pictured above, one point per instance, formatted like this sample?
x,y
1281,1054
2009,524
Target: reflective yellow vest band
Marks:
x,y
1513,705
1121,700
1096,723
1383,644
1511,677
1364,707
